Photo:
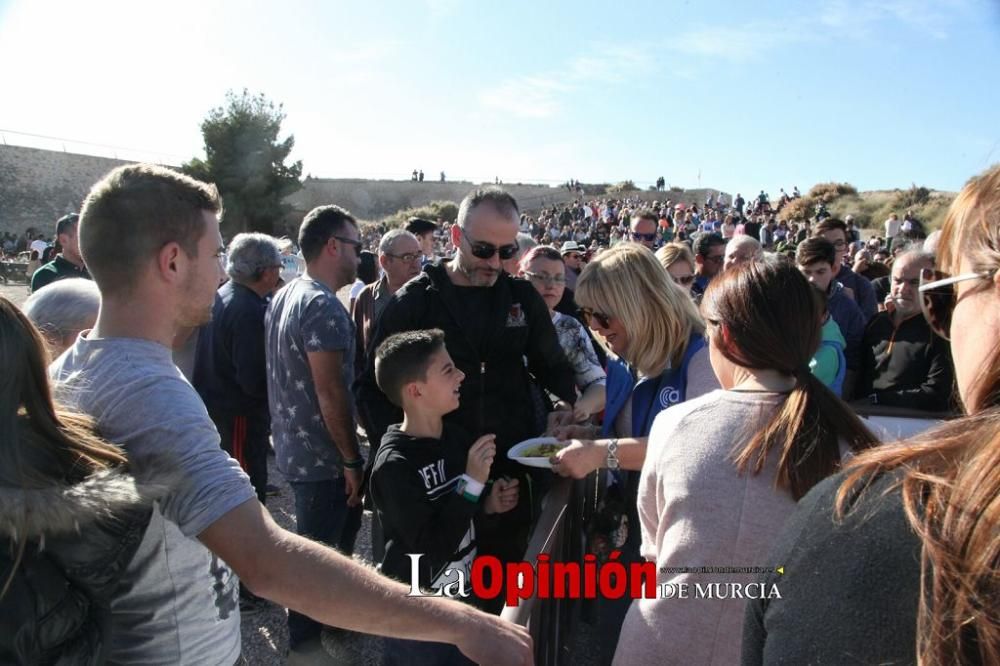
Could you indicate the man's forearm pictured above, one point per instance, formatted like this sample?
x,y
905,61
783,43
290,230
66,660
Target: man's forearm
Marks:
x,y
333,589
339,422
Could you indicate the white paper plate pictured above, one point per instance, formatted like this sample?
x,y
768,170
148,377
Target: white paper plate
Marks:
x,y
516,451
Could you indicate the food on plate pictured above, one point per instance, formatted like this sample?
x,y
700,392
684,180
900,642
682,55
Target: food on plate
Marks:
x,y
540,451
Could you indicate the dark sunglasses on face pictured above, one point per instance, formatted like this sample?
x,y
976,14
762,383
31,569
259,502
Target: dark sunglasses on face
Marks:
x,y
589,316
716,259
684,280
636,236
938,297
351,241
482,250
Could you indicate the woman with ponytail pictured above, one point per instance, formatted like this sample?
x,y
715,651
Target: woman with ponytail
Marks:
x,y
723,472
897,559
71,518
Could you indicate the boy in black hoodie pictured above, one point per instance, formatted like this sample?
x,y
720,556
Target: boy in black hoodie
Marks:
x,y
424,500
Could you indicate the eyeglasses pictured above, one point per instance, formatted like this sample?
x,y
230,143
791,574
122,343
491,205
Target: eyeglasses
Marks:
x,y
938,297
572,255
589,315
350,241
636,236
683,279
409,257
482,250
547,280
715,259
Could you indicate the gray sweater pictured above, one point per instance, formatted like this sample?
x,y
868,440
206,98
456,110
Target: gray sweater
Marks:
x,y
696,511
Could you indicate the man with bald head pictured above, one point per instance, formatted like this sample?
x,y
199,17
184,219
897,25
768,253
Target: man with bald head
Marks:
x,y
904,363
492,323
740,250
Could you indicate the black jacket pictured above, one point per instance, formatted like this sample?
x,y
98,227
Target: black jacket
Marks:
x,y
908,366
495,396
78,540
850,589
230,367
413,489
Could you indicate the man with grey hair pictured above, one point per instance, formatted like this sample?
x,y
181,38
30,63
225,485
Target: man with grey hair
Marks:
x,y
230,368
904,364
62,310
740,250
399,256
492,324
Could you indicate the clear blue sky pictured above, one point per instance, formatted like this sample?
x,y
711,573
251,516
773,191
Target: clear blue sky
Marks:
x,y
750,95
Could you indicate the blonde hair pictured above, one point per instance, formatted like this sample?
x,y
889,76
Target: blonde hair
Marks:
x,y
671,253
627,282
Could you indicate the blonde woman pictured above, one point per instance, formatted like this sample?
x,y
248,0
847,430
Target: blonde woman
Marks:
x,y
658,358
678,260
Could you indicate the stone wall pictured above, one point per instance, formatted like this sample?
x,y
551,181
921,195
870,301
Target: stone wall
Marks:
x,y
37,187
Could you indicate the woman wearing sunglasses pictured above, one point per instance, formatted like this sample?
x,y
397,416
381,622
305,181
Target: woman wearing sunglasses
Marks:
x,y
545,268
678,259
656,337
897,559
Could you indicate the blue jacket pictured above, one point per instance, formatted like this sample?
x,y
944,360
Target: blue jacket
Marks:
x,y
851,321
651,395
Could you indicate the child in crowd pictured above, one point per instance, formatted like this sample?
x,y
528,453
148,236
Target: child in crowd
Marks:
x,y
816,258
829,364
427,484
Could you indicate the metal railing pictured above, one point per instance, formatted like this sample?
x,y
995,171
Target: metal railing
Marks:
x,y
558,534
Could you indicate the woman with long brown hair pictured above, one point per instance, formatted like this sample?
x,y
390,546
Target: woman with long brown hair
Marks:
x,y
898,559
70,517
723,472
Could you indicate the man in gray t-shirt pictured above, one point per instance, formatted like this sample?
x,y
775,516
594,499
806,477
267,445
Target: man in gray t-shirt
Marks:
x,y
178,602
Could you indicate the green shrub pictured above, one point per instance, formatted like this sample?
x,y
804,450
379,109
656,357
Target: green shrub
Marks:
x,y
445,210
827,192
624,186
915,196
802,208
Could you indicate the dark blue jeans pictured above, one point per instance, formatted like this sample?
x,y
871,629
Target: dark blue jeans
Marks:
x,y
321,514
402,652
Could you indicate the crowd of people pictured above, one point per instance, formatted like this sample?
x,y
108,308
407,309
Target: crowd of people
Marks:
x,y
707,364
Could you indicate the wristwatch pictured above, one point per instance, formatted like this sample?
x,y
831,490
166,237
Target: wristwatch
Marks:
x,y
611,462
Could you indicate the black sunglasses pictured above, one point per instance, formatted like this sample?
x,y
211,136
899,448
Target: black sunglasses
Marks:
x,y
350,241
643,237
590,315
482,250
684,279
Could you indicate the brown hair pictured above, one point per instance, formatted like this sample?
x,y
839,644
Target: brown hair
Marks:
x,y
950,475
829,224
40,443
758,330
815,249
131,213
